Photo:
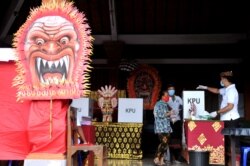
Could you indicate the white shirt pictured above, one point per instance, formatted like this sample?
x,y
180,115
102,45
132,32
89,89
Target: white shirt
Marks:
x,y
176,106
229,95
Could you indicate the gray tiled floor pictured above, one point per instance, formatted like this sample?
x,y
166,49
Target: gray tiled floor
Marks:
x,y
143,162
147,160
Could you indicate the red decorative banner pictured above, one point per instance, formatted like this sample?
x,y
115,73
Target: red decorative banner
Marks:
x,y
206,136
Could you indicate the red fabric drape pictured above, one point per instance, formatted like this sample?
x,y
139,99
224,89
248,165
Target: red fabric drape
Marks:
x,y
25,127
41,138
14,117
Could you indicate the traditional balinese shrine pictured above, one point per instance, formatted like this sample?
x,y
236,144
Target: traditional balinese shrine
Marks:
x,y
60,72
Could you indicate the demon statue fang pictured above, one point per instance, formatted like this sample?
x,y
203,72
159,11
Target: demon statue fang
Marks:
x,y
107,102
53,49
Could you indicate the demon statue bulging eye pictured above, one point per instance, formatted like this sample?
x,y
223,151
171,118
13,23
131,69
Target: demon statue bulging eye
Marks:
x,y
53,53
50,50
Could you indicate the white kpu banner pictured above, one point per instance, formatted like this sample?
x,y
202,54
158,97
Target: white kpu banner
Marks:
x,y
193,104
130,110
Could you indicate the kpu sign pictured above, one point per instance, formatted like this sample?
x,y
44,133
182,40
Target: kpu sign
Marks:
x,y
193,104
130,110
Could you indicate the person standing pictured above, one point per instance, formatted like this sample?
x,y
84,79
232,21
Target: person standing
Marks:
x,y
176,105
162,127
229,105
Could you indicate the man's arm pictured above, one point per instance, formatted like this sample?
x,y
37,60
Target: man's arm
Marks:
x,y
213,90
210,89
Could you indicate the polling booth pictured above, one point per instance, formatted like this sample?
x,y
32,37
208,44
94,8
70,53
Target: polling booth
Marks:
x,y
82,110
203,135
84,107
123,139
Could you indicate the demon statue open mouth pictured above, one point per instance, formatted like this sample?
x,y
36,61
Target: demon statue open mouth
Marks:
x,y
53,51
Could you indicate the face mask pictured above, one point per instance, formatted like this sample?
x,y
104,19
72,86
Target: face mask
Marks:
x,y
165,98
221,83
171,92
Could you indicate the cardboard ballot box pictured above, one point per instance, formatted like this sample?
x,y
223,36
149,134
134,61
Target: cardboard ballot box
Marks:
x,y
193,104
130,110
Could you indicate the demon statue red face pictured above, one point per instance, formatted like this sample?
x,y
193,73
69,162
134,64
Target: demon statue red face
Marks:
x,y
53,50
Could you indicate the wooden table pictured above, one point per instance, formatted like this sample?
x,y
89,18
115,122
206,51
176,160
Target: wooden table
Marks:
x,y
232,133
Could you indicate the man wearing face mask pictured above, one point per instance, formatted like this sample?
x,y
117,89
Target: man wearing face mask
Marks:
x,y
162,127
176,123
229,105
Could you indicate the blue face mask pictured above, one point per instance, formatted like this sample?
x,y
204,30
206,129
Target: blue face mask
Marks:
x,y
171,92
221,83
